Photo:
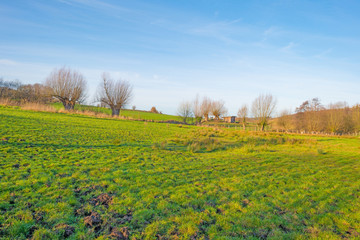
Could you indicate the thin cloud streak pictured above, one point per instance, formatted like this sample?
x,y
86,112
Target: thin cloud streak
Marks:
x,y
173,51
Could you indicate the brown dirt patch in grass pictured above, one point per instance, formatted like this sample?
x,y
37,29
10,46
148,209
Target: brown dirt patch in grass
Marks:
x,y
93,220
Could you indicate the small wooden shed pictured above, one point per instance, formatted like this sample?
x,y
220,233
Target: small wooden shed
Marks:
x,y
230,119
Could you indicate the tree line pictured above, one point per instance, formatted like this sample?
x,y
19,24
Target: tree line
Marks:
x,y
313,117
201,109
262,109
69,87
16,91
310,117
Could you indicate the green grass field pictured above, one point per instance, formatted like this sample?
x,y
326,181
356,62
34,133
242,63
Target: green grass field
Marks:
x,y
134,114
79,177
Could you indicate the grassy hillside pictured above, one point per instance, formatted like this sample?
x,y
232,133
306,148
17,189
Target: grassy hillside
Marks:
x,y
134,114
78,177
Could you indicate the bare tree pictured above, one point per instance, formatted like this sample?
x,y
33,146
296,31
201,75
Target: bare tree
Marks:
x,y
262,108
242,114
310,105
196,109
284,119
185,110
206,108
218,109
115,95
68,86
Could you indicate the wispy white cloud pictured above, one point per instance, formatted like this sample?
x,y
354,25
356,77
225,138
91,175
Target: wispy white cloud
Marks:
x,y
8,62
66,2
171,54
216,28
289,47
269,31
229,32
101,5
26,72
323,53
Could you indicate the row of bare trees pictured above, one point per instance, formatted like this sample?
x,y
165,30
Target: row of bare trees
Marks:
x,y
262,109
69,87
201,109
313,117
16,91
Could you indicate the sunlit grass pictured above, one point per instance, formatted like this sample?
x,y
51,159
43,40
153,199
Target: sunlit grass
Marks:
x,y
133,114
166,181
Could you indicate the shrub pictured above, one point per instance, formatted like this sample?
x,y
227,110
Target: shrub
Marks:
x,y
208,144
160,145
320,151
154,110
194,147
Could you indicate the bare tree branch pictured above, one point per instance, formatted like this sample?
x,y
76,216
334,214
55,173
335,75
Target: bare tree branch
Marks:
x,y
196,109
68,86
262,108
116,95
206,108
218,109
242,114
185,110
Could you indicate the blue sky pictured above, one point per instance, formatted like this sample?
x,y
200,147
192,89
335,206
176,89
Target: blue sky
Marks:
x,y
173,50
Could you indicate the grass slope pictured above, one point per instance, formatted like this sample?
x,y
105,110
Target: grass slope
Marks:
x,y
134,114
78,177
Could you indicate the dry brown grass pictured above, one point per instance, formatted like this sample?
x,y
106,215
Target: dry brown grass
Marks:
x,y
88,113
38,107
8,102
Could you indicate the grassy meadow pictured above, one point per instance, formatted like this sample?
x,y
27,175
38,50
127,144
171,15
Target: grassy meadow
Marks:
x,y
81,177
127,113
